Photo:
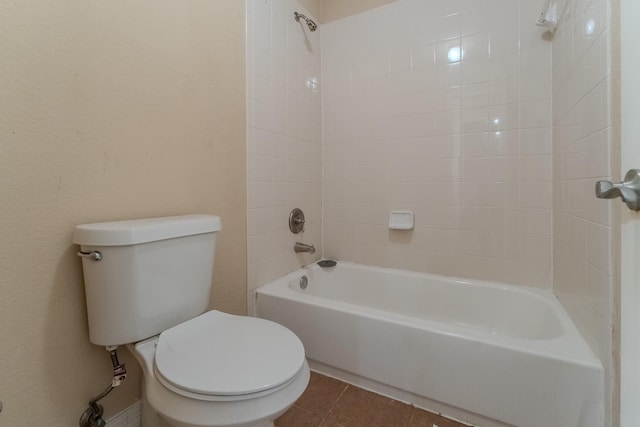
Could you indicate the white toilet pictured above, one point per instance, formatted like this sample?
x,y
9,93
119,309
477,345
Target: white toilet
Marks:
x,y
147,284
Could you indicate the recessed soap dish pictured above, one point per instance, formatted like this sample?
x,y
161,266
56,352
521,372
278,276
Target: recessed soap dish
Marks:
x,y
401,220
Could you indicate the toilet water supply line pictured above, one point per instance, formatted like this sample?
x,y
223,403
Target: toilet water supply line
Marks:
x,y
92,417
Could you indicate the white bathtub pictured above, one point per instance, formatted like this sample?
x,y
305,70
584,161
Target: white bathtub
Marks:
x,y
501,354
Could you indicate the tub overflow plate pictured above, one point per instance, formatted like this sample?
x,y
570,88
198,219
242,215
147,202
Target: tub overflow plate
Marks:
x,y
304,282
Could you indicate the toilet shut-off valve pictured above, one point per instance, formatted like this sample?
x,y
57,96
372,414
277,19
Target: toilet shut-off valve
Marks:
x,y
119,369
92,417
628,190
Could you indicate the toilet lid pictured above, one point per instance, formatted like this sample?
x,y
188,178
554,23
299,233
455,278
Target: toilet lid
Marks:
x,y
223,354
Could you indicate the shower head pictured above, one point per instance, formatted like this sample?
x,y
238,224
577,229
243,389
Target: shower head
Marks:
x,y
312,25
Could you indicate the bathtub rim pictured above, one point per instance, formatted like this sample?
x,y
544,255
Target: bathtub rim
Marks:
x,y
569,347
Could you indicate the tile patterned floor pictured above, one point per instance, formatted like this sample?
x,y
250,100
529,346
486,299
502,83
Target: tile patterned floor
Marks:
x,y
328,402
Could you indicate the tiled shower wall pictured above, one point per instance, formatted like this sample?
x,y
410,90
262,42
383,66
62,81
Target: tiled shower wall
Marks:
x,y
443,108
582,147
466,144
284,132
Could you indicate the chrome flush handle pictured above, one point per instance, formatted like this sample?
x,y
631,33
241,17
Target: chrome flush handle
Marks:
x,y
94,255
628,190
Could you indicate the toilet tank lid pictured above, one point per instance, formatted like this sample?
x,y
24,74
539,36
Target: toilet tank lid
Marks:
x,y
131,232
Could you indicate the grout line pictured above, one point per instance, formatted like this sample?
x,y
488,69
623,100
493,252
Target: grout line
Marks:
x,y
300,408
326,415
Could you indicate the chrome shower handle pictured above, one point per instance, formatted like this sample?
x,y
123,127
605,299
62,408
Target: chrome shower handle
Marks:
x,y
628,190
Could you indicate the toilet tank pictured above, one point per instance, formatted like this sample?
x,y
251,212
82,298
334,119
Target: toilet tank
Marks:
x,y
153,274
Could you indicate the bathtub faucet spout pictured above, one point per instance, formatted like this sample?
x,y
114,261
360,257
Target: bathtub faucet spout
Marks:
x,y
303,247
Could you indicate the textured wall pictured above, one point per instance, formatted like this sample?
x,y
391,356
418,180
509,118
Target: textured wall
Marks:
x,y
584,246
108,110
284,137
336,9
462,140
314,7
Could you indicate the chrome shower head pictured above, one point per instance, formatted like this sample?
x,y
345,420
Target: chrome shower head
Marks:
x,y
312,25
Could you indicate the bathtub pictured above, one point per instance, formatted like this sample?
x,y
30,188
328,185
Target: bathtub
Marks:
x,y
484,353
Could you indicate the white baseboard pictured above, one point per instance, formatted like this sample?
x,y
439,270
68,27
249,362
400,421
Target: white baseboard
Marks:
x,y
130,417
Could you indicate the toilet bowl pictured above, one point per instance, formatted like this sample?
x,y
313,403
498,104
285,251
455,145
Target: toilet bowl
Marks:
x,y
221,370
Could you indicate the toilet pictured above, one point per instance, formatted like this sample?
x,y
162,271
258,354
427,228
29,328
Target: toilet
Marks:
x,y
147,285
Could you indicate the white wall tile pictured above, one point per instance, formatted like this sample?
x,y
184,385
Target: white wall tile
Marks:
x,y
475,95
475,119
423,56
582,148
448,27
504,91
284,134
443,139
505,142
474,18
475,70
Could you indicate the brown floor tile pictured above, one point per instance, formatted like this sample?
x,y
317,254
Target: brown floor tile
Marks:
x,y
328,402
331,423
321,394
395,414
296,417
362,408
421,418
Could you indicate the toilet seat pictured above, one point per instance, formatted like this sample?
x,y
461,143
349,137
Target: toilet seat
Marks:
x,y
219,356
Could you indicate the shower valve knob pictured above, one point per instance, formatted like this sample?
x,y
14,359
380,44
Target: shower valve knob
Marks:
x,y
296,221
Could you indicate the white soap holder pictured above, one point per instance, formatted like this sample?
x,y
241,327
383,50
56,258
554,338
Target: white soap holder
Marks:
x,y
401,220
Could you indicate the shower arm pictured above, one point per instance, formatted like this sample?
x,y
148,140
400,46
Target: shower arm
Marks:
x,y
310,22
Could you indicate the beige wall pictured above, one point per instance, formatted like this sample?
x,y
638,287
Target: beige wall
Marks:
x,y
336,9
330,10
109,110
314,7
